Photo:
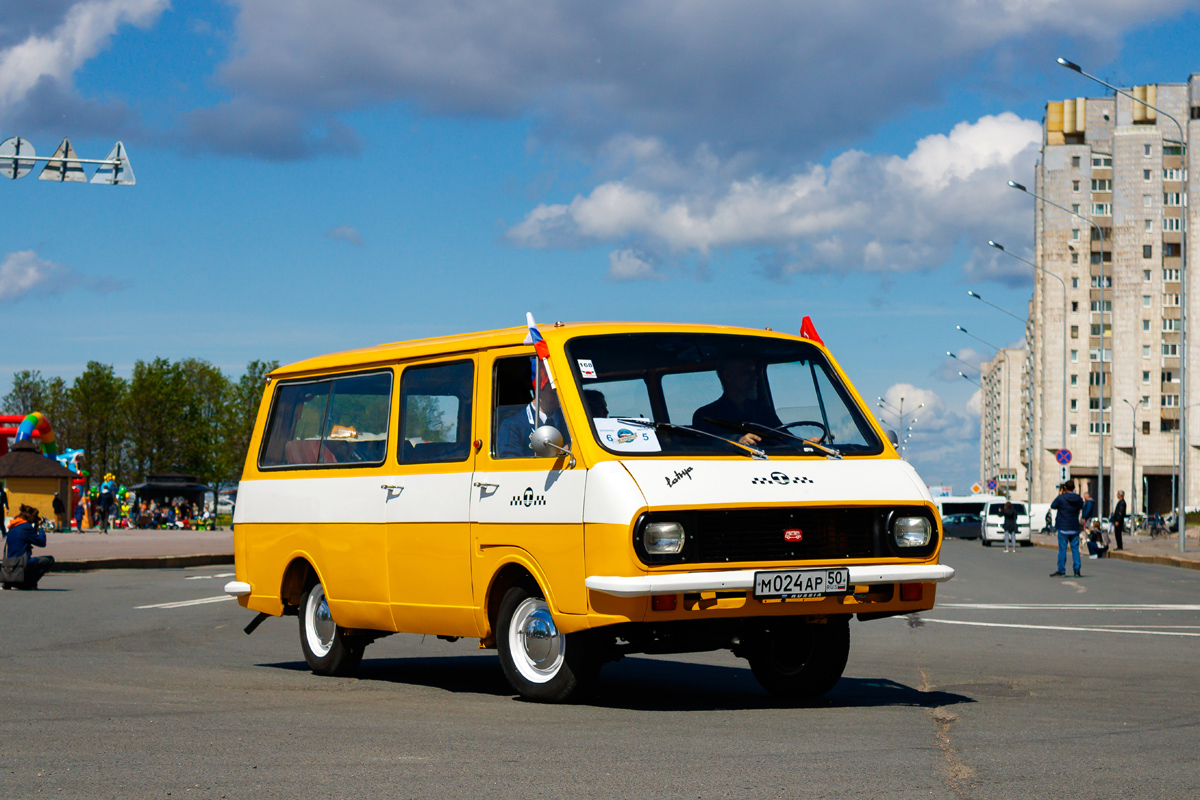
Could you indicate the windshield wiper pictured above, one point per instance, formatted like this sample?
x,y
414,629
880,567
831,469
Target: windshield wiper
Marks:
x,y
753,452
754,427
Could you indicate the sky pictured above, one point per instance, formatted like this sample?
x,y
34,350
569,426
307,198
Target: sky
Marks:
x,y
315,176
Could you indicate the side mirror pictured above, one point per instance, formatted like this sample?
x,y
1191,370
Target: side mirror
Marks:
x,y
892,437
547,442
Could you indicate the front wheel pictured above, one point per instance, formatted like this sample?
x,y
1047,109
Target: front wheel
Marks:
x,y
541,662
328,648
803,662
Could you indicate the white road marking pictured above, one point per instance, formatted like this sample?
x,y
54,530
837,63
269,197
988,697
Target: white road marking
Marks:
x,y
1054,627
1073,606
181,603
210,577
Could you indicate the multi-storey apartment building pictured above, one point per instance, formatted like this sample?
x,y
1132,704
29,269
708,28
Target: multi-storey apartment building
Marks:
x,y
1002,422
1120,165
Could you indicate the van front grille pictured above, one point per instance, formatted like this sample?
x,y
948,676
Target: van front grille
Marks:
x,y
759,534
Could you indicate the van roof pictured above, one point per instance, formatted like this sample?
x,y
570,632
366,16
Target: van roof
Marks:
x,y
503,337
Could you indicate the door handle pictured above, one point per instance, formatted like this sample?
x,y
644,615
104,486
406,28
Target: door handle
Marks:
x,y
389,487
483,485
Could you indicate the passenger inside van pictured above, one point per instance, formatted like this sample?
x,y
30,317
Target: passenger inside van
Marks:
x,y
514,430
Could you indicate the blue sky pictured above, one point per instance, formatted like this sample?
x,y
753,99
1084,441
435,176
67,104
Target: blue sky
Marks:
x,y
315,176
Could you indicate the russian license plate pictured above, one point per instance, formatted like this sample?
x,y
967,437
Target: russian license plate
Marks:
x,y
789,584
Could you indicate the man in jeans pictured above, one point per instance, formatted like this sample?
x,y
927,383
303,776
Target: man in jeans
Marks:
x,y
1066,522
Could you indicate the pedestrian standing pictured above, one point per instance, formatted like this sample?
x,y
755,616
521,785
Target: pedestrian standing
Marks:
x,y
79,516
3,508
1118,519
1066,522
1009,515
1089,508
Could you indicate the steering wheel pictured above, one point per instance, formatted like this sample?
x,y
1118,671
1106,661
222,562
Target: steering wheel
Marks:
x,y
812,422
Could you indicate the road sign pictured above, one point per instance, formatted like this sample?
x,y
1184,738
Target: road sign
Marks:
x,y
16,158
976,489
64,166
1063,456
116,168
992,486
1064,472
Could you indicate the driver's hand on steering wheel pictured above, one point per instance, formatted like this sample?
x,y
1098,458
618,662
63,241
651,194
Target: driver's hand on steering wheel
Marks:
x,y
750,439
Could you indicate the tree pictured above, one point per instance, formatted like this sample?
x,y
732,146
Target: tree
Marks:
x,y
27,392
155,417
98,398
205,397
245,396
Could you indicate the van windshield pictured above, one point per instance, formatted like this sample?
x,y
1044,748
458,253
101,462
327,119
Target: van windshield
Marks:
x,y
779,396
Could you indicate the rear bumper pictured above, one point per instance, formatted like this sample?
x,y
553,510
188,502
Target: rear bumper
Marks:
x,y
677,583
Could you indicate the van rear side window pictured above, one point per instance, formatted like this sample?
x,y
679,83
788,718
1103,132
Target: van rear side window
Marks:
x,y
435,402
340,421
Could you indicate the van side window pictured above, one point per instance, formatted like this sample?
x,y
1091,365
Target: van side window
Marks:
x,y
512,408
435,408
332,421
356,425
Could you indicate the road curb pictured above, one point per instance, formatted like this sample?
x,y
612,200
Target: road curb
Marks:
x,y
143,562
1125,555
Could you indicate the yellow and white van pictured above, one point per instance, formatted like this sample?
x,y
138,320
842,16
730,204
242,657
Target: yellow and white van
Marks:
x,y
572,495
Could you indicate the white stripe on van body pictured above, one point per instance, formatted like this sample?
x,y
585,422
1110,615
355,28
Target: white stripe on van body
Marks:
x,y
614,491
692,483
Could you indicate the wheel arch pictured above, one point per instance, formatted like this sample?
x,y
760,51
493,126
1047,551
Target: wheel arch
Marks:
x,y
512,571
299,575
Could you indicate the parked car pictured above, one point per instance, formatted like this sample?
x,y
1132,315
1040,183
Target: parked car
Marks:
x,y
962,526
993,527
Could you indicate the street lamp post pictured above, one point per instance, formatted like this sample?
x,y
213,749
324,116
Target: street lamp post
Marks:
x,y
899,412
1103,379
1133,454
1000,247
1007,390
1181,509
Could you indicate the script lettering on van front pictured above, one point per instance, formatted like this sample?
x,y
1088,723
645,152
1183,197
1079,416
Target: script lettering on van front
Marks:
x,y
680,474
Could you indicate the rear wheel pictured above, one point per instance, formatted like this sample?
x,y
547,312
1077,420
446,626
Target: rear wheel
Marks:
x,y
541,662
328,648
804,661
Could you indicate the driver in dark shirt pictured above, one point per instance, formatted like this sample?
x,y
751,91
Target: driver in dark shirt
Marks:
x,y
740,401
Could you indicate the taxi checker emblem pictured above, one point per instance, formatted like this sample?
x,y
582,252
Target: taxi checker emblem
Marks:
x,y
780,479
793,535
527,498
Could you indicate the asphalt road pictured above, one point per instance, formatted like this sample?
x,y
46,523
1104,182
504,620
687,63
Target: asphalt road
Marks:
x,y
1017,685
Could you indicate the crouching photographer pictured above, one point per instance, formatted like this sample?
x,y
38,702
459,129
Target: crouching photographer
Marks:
x,y
20,568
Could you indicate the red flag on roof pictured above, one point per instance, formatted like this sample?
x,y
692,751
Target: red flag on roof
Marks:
x,y
809,331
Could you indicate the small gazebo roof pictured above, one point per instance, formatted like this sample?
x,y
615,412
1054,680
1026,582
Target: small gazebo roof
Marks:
x,y
25,460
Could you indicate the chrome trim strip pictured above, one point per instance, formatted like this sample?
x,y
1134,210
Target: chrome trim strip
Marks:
x,y
676,583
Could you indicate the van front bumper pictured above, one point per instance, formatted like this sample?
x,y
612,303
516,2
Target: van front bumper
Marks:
x,y
677,583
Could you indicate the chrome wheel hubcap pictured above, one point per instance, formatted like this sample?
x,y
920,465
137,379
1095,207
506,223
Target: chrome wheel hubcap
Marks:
x,y
535,642
320,627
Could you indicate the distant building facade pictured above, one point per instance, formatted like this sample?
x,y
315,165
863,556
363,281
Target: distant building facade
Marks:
x,y
1118,164
1003,409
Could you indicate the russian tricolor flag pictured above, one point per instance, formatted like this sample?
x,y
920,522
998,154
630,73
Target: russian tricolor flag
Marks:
x,y
534,337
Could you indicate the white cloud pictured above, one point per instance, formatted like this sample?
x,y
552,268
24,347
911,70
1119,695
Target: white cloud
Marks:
x,y
862,212
56,52
742,75
23,272
975,404
344,233
944,446
629,265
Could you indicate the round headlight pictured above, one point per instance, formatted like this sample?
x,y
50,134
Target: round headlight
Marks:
x,y
912,531
663,538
